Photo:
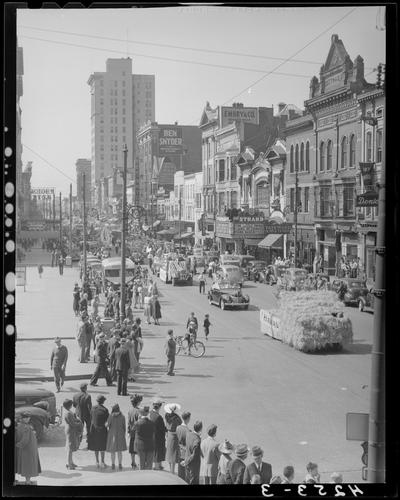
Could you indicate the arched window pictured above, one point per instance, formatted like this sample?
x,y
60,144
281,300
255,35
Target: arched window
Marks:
x,y
329,155
302,157
262,194
343,153
307,156
322,157
352,151
291,159
296,158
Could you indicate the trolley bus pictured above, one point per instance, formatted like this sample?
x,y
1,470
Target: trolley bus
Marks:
x,y
111,271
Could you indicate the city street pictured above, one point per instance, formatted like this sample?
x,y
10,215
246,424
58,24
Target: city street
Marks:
x,y
256,389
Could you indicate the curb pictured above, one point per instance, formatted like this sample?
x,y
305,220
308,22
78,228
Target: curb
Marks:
x,y
51,379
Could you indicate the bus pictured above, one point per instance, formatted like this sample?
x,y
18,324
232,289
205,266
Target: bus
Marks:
x,y
111,270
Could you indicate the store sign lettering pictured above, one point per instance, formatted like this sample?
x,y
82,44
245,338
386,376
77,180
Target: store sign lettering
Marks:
x,y
369,199
329,120
278,228
229,115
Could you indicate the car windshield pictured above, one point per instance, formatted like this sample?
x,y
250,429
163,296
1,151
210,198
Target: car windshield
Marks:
x,y
225,285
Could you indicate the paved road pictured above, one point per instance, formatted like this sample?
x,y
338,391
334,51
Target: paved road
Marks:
x,y
258,390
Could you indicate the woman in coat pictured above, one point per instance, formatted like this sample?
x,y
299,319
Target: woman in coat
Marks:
x,y
97,440
133,417
73,431
172,420
130,345
156,310
159,434
116,442
27,462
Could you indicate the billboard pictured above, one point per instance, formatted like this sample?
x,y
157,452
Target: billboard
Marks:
x,y
43,193
170,141
231,114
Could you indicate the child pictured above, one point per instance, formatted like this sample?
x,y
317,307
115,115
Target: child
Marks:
x,y
206,325
312,475
40,270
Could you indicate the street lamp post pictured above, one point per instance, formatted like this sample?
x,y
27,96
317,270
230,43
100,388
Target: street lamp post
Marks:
x,y
84,226
123,237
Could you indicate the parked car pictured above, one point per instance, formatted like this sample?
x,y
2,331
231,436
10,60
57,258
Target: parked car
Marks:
x,y
257,271
352,290
366,302
294,278
40,402
224,294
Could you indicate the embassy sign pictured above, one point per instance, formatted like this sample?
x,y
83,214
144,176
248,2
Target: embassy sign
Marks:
x,y
170,141
231,114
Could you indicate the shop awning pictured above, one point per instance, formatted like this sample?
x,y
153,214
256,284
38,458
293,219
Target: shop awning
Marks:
x,y
252,242
272,240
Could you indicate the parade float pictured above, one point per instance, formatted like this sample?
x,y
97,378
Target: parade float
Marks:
x,y
309,321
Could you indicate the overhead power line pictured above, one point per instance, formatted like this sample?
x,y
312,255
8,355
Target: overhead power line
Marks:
x,y
161,58
48,163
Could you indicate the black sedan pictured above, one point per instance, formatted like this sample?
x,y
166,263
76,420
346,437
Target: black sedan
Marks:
x,y
350,290
225,295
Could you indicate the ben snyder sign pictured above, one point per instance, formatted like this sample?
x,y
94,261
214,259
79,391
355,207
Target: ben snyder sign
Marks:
x,y
170,141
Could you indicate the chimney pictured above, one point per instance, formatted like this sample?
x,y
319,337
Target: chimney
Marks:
x,y
281,105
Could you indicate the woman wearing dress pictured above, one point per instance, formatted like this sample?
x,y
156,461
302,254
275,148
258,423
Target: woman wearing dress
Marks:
x,y
27,462
133,417
130,345
156,310
226,449
73,432
148,308
97,440
172,420
116,442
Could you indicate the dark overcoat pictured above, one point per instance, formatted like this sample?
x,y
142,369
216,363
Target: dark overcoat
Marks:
x,y
159,436
97,439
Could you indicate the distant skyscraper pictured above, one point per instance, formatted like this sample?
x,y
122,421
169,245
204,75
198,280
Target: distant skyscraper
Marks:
x,y
120,104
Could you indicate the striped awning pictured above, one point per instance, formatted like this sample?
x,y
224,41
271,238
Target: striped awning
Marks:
x,y
270,240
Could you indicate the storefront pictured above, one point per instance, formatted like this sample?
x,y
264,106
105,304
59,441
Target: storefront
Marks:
x,y
239,233
305,245
270,248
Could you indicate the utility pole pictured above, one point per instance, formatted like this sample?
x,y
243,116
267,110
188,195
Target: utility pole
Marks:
x,y
70,222
123,237
60,223
296,188
84,226
54,211
376,431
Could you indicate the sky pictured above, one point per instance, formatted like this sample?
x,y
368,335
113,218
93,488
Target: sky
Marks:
x,y
62,48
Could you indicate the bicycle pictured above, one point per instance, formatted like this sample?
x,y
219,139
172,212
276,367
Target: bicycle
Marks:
x,y
195,347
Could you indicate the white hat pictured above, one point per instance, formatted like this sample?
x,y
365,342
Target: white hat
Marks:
x,y
170,407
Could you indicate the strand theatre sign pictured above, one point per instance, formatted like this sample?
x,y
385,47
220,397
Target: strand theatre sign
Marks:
x,y
170,142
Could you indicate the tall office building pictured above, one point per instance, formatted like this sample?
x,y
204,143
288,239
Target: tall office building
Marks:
x,y
120,103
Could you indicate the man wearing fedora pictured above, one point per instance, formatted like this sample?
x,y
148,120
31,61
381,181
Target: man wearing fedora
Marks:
x,y
263,469
210,453
82,401
58,362
170,351
235,469
144,439
82,337
182,431
192,460
159,434
101,368
122,365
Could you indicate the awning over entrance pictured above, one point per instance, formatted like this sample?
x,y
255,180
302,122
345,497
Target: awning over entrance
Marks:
x,y
252,242
270,240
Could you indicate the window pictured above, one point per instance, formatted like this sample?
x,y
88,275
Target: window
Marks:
x,y
221,170
233,172
306,199
291,159
343,153
329,155
307,156
322,157
369,146
262,194
115,83
291,202
379,146
234,199
296,158
302,157
325,201
348,200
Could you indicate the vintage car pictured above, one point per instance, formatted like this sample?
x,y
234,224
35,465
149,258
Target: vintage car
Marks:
x,y
40,403
351,290
273,273
366,302
294,278
226,295
231,273
257,271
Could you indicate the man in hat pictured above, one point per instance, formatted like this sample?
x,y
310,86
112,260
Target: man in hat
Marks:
x,y
58,362
235,469
101,368
159,434
170,351
82,337
210,453
122,365
263,469
112,346
192,460
181,432
82,401
144,439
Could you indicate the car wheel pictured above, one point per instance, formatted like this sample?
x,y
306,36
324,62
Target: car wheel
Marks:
x,y
38,428
360,305
222,304
210,300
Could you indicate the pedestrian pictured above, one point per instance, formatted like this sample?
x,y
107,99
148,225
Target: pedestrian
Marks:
x,y
82,337
101,358
40,270
129,313
112,346
133,417
133,362
235,469
156,310
53,258
264,469
207,325
89,336
98,430
312,475
210,454
148,308
76,299
116,442
73,432
159,434
202,282
172,420
144,439
288,474
226,450
336,478
95,306
192,461
27,463
58,362
170,351
61,264
122,365
83,303
82,402
181,431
